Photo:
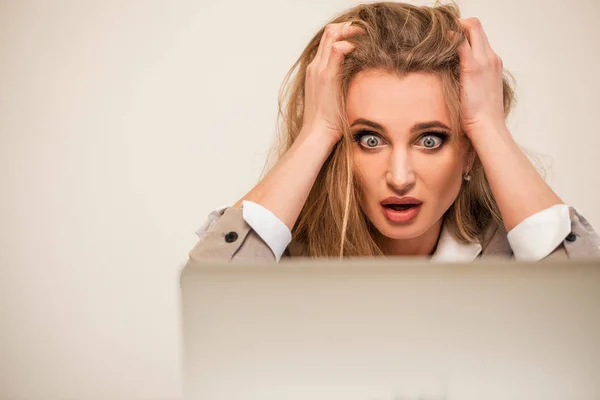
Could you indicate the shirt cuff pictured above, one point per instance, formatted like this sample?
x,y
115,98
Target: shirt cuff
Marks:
x,y
539,234
266,225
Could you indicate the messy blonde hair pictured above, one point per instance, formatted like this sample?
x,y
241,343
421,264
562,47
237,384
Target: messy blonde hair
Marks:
x,y
400,38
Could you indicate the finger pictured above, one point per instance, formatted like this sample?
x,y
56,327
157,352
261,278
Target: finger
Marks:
x,y
334,34
453,36
338,51
465,53
477,38
324,38
351,30
488,47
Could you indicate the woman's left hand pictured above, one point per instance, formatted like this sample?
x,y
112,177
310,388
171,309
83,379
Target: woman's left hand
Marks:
x,y
482,98
516,185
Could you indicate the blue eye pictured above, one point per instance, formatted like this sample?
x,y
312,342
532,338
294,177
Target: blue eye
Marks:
x,y
368,140
431,141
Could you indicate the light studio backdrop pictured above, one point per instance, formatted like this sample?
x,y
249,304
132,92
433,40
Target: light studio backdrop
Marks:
x,y
123,123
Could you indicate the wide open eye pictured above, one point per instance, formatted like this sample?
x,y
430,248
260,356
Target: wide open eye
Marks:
x,y
432,140
369,140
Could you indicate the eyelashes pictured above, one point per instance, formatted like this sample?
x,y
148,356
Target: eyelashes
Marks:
x,y
369,140
428,141
431,141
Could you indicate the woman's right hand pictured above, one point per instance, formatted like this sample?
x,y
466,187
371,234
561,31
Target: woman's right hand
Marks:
x,y
322,85
284,190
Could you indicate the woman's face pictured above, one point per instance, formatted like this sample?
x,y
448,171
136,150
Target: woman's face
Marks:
x,y
403,152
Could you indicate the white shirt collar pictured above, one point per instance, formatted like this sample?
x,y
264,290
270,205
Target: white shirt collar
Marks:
x,y
450,249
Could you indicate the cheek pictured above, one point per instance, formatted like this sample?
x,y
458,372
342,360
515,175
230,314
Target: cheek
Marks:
x,y
441,173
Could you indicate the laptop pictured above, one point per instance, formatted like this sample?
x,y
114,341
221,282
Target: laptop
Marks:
x,y
391,330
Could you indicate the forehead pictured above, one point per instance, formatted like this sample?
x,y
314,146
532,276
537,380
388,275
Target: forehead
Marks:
x,y
396,101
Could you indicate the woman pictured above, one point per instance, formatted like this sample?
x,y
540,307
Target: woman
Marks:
x,y
394,143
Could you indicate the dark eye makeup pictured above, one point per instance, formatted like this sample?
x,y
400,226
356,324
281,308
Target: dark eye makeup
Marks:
x,y
360,135
428,141
432,140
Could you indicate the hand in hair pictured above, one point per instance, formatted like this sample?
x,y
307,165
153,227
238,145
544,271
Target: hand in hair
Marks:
x,y
482,99
284,190
322,86
519,190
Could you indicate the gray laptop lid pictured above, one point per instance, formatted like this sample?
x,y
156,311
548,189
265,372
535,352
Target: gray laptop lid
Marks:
x,y
366,330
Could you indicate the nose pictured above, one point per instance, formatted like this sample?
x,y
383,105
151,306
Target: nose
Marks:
x,y
400,175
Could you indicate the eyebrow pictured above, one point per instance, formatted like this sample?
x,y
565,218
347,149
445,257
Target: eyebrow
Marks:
x,y
416,127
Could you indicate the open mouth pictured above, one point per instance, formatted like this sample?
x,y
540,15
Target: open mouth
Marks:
x,y
400,207
401,210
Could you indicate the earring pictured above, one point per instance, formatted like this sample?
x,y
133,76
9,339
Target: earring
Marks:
x,y
466,177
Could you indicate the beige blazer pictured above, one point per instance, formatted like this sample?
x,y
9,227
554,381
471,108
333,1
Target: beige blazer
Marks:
x,y
231,238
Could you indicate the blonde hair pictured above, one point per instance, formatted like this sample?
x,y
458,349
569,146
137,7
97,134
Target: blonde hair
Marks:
x,y
400,38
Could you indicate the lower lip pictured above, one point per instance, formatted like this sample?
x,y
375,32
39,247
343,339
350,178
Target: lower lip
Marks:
x,y
403,216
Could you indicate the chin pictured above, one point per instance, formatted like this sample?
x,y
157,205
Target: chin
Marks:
x,y
401,232
390,230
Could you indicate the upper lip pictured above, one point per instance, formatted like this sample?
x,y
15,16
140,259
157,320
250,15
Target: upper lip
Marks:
x,y
400,200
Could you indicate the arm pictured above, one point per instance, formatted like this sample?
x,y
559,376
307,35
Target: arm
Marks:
x,y
556,233
540,226
284,190
254,233
519,190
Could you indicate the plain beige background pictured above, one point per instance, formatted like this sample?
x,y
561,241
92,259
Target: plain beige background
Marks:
x,y
123,123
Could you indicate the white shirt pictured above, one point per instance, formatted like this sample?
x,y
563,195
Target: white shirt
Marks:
x,y
532,240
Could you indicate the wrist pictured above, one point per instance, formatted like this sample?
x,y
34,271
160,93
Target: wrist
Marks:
x,y
317,138
487,134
